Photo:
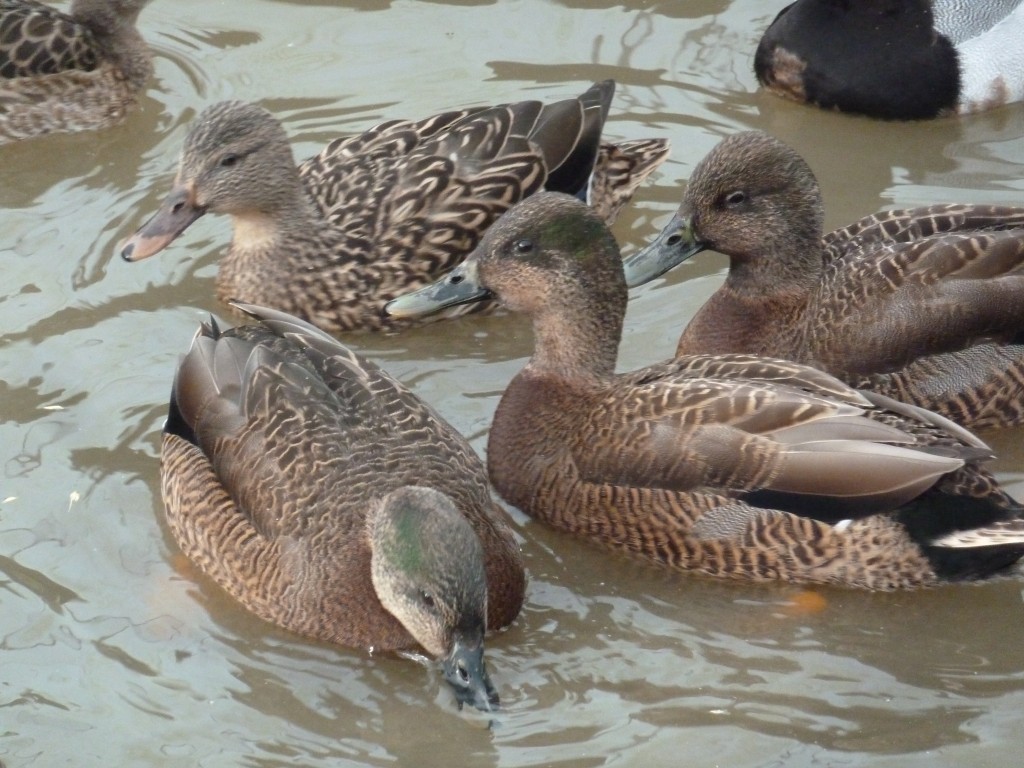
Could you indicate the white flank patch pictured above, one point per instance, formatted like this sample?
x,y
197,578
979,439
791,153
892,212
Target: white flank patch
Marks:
x,y
992,65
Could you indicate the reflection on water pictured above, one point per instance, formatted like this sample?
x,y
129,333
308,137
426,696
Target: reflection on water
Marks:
x,y
113,649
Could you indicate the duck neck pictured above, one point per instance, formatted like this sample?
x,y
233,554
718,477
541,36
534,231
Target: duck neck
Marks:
x,y
769,282
273,251
742,322
580,340
273,231
118,36
788,268
134,58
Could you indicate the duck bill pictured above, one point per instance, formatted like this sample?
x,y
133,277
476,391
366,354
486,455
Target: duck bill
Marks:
x,y
466,673
460,286
676,243
175,215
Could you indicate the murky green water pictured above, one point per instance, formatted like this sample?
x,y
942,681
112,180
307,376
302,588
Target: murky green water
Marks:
x,y
114,652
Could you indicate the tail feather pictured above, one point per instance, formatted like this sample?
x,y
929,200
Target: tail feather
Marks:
x,y
974,563
965,537
1005,533
619,170
576,164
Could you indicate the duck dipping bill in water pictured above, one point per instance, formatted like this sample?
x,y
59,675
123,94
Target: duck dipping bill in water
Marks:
x,y
385,211
896,59
328,499
728,465
72,71
925,305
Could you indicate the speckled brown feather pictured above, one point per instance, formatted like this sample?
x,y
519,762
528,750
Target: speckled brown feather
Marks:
x,y
36,39
672,461
389,210
908,225
65,72
923,305
296,439
620,169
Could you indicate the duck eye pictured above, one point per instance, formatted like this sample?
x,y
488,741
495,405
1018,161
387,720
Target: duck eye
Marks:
x,y
228,160
428,599
736,198
524,246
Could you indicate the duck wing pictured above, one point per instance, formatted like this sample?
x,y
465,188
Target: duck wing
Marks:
x,y
38,40
911,224
901,301
735,437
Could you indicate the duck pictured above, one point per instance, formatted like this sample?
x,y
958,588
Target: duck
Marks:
x,y
64,72
328,499
728,465
386,211
896,59
925,305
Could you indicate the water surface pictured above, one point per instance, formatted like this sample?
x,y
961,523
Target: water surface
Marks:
x,y
115,652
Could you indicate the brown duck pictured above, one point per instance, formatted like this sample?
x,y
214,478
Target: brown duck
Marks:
x,y
328,499
924,305
70,71
729,465
386,211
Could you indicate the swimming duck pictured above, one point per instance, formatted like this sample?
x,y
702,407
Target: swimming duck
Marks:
x,y
72,71
896,59
388,210
925,305
728,465
328,499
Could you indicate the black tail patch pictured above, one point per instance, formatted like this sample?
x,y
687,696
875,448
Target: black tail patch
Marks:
x,y
934,515
175,423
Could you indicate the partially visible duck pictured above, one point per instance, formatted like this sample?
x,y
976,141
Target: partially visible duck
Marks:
x,y
385,211
728,465
896,59
924,305
62,72
328,499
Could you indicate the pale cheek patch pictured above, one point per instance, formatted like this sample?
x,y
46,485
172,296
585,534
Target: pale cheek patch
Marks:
x,y
253,231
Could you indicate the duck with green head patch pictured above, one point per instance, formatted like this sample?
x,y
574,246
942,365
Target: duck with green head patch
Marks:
x,y
328,499
729,465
